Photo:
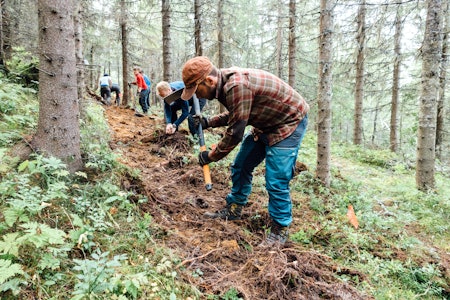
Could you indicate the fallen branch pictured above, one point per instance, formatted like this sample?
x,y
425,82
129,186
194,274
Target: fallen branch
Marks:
x,y
198,257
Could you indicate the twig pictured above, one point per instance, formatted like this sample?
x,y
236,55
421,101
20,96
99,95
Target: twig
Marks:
x,y
198,257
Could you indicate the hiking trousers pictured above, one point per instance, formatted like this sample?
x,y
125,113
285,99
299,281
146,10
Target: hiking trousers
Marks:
x,y
280,165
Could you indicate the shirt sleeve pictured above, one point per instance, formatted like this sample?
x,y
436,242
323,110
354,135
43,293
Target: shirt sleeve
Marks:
x,y
184,113
240,99
168,113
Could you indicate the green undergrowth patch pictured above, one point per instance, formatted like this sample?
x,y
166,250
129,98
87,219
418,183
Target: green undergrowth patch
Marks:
x,y
18,112
402,232
77,236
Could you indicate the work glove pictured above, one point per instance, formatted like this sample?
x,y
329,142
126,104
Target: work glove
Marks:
x,y
199,119
203,158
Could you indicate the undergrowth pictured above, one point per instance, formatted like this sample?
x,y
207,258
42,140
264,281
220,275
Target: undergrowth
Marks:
x,y
402,232
76,236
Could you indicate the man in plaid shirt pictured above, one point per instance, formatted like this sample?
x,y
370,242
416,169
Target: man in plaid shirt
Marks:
x,y
279,118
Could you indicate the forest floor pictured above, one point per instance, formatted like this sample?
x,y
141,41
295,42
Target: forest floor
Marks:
x,y
216,255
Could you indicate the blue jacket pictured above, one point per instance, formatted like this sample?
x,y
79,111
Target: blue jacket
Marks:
x,y
147,81
178,104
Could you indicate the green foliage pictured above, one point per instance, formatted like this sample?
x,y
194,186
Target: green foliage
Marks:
x,y
18,112
23,69
378,158
9,270
95,276
49,218
231,294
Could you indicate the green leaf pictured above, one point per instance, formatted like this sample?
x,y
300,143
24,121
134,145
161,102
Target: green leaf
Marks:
x,y
48,261
41,234
81,174
8,270
23,165
12,214
10,245
77,221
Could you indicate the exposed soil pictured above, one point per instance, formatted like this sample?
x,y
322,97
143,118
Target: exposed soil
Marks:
x,y
217,255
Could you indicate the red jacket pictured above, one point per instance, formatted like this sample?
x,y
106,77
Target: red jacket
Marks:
x,y
140,82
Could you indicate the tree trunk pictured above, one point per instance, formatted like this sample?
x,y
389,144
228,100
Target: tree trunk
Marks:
x,y
292,43
220,39
220,42
78,28
279,48
325,92
58,132
166,15
2,53
440,123
5,40
426,137
375,121
124,40
359,86
198,28
394,126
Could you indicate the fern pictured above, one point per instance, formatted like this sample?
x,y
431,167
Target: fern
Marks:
x,y
10,245
9,270
41,235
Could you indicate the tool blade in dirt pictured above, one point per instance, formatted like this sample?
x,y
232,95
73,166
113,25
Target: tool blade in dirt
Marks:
x,y
174,96
206,171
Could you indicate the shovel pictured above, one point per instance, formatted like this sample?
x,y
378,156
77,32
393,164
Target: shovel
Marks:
x,y
206,172
174,96
177,95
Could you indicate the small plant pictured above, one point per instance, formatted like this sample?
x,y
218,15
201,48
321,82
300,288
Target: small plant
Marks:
x,y
96,276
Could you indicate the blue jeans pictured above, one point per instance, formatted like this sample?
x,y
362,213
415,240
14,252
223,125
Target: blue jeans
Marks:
x,y
143,100
280,165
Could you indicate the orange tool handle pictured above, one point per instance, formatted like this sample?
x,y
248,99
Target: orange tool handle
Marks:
x,y
206,173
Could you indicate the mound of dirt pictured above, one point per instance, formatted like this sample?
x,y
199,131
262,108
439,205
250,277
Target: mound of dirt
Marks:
x,y
226,253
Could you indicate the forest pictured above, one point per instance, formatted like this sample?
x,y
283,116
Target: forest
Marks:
x,y
97,201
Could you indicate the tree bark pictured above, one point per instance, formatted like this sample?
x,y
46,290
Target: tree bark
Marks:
x,y
5,33
394,126
292,43
124,40
2,53
78,28
58,132
279,48
325,92
198,28
359,86
426,135
441,109
220,42
166,15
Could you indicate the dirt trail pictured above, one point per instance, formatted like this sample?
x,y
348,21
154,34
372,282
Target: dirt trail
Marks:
x,y
224,252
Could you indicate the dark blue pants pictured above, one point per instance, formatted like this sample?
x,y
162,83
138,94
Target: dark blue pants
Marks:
x,y
143,100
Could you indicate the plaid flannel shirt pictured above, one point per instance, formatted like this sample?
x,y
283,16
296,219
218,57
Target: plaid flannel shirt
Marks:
x,y
257,98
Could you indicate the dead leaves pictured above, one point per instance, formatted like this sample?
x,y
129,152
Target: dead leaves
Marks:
x,y
352,216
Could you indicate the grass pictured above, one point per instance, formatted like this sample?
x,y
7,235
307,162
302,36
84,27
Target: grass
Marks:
x,y
401,229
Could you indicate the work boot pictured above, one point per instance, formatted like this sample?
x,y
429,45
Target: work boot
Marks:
x,y
231,212
277,237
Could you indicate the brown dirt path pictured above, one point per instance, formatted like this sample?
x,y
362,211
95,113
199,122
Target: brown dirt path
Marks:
x,y
225,253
